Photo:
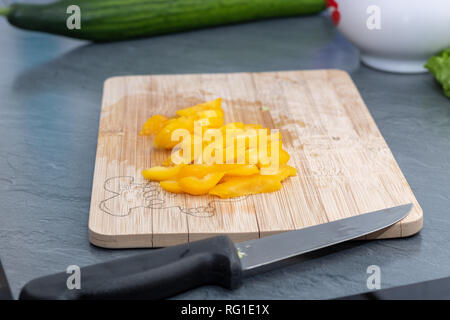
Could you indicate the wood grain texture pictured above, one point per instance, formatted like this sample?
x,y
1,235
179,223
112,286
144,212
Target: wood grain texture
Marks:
x,y
345,167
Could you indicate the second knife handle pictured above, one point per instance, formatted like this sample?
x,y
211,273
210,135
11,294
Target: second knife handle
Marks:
x,y
157,274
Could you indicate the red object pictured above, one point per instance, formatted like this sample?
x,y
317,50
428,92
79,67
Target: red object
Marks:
x,y
331,3
335,14
336,17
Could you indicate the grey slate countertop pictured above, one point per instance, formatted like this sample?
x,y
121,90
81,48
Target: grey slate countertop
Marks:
x,y
50,95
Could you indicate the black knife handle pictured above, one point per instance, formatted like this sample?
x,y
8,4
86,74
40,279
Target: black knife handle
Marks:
x,y
157,274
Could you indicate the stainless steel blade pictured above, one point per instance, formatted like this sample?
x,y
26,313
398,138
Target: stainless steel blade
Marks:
x,y
260,252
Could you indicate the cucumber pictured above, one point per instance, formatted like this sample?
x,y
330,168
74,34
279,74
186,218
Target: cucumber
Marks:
x,y
113,20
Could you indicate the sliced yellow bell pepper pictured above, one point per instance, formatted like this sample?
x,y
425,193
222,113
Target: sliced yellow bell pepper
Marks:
x,y
164,139
283,158
153,125
243,170
235,159
168,162
171,186
196,170
238,186
210,113
286,171
199,186
282,172
214,122
159,173
201,170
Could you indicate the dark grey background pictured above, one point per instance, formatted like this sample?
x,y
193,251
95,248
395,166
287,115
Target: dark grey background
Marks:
x,y
50,94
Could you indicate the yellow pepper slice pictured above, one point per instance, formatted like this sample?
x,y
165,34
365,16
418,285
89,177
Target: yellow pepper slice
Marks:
x,y
153,125
159,173
286,171
210,113
243,170
197,170
237,186
206,123
163,138
283,172
283,158
201,170
171,186
168,162
199,186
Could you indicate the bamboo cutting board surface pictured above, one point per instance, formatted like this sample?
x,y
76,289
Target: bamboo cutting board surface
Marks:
x,y
344,165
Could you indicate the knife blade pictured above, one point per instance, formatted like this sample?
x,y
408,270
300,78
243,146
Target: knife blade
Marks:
x,y
165,272
263,251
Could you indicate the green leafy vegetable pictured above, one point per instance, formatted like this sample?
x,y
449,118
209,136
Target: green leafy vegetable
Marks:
x,y
439,66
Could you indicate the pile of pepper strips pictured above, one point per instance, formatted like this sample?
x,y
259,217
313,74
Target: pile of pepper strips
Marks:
x,y
228,170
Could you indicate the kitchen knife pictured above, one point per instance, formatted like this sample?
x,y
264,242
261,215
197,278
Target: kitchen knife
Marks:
x,y
165,272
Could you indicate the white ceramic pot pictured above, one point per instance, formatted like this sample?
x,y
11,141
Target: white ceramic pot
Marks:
x,y
394,35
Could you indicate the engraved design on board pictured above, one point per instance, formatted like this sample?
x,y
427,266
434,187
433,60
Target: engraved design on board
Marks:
x,y
123,195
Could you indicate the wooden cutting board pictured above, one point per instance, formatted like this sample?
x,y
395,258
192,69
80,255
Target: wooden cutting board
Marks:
x,y
345,167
